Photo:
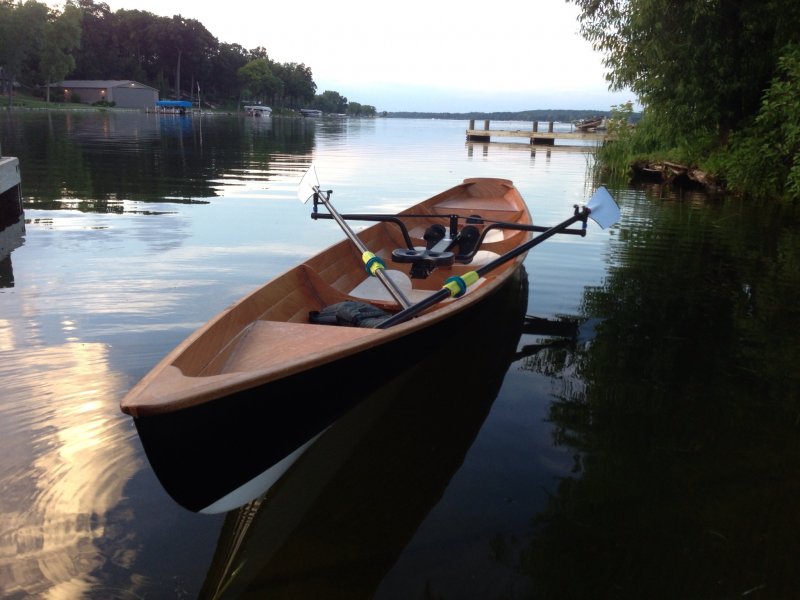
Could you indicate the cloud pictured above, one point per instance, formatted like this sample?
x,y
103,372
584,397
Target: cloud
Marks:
x,y
420,55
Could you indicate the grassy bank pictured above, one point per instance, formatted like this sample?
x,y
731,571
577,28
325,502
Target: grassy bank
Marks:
x,y
19,100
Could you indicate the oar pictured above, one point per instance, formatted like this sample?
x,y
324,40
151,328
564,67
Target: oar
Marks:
x,y
600,207
309,186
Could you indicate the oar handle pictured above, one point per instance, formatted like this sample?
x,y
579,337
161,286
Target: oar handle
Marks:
x,y
390,285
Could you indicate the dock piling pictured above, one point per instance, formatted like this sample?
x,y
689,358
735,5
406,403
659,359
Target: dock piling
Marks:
x,y
535,137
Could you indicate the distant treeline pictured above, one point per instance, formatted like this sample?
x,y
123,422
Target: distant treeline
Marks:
x,y
41,45
558,115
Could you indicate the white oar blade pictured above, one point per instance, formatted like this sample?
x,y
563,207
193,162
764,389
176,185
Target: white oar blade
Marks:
x,y
308,185
604,211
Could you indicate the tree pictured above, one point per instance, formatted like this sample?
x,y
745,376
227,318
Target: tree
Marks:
x,y
62,35
702,65
702,70
136,46
21,35
194,46
765,157
224,68
298,83
330,102
97,57
258,81
355,109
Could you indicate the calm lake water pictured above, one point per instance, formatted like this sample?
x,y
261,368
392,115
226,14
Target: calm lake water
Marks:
x,y
650,450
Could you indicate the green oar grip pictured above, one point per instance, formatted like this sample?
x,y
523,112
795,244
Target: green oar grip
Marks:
x,y
457,285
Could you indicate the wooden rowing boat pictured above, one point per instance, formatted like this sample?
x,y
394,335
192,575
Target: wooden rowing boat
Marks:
x,y
270,370
267,336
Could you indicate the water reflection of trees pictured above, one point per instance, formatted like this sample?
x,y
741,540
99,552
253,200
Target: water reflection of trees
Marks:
x,y
92,162
683,413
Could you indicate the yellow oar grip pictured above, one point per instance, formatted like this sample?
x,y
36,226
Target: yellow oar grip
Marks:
x,y
458,285
372,263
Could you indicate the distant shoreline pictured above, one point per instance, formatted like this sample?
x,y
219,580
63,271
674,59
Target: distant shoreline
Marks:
x,y
545,115
556,115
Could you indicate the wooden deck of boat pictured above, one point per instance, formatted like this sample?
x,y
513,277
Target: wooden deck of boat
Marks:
x,y
298,340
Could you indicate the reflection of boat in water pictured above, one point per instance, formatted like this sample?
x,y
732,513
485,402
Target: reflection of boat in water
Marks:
x,y
343,513
258,110
12,216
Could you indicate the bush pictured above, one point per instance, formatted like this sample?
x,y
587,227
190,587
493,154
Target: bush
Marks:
x,y
763,159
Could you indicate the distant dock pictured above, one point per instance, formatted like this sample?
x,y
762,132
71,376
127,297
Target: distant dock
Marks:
x,y
534,136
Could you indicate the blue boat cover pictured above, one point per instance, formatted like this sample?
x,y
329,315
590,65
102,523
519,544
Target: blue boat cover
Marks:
x,y
174,103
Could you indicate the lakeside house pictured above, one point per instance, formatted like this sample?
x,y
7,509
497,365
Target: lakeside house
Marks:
x,y
123,93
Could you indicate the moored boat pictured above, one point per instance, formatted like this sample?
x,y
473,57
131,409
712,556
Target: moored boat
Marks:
x,y
590,124
271,366
258,110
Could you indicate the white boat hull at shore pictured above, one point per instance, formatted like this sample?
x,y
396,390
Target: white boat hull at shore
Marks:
x,y
258,110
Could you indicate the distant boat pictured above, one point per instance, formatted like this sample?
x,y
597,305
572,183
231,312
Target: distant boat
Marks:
x,y
180,106
310,112
257,110
590,124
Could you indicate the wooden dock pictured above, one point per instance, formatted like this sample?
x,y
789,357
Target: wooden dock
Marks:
x,y
12,217
534,136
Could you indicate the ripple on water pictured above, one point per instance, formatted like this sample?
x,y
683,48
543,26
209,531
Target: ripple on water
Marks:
x,y
67,457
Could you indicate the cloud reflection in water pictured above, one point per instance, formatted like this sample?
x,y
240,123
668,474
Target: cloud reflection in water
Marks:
x,y
66,462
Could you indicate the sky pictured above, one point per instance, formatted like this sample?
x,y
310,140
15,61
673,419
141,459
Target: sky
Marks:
x,y
419,55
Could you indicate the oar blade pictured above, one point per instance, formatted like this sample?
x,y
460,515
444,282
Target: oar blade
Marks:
x,y
309,184
604,211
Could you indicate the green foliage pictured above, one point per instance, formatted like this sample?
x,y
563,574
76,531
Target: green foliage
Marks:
x,y
701,70
616,154
258,81
21,35
355,109
702,64
655,137
764,158
298,83
330,102
61,36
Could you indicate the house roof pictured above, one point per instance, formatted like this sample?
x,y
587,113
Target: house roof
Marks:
x,y
100,83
